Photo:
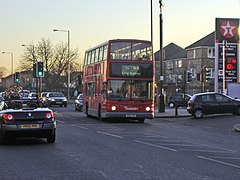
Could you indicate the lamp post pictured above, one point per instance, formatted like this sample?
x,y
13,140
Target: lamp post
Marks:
x,y
68,80
161,96
11,59
151,11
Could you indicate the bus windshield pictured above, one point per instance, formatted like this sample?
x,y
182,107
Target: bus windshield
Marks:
x,y
130,90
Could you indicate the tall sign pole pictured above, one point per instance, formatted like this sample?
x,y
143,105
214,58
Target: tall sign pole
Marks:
x,y
223,65
161,96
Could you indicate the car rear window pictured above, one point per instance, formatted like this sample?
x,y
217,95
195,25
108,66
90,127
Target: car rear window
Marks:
x,y
56,95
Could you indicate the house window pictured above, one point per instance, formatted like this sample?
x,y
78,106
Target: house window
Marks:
x,y
178,64
193,71
211,52
169,65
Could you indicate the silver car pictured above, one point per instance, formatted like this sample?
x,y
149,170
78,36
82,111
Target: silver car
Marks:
x,y
55,98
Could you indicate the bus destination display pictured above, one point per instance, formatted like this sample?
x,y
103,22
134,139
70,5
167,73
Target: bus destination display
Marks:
x,y
135,70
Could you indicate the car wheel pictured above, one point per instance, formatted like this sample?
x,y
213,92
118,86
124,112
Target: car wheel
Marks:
x,y
2,139
52,138
141,120
171,105
65,105
198,113
237,110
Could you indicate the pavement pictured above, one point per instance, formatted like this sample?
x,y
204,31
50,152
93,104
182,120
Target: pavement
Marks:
x,y
181,112
171,113
174,113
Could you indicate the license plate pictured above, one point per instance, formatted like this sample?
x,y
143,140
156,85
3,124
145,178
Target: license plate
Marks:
x,y
131,115
24,126
58,102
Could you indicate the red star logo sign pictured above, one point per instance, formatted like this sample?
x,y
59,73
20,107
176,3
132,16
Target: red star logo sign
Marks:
x,y
228,29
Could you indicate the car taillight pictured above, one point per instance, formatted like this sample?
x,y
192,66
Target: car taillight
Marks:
x,y
49,116
8,117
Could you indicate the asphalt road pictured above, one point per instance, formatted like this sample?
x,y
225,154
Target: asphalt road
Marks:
x,y
166,148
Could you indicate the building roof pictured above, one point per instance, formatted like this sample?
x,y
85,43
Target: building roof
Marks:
x,y
172,51
208,40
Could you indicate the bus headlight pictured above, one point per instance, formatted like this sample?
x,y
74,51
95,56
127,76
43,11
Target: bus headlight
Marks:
x,y
114,108
148,108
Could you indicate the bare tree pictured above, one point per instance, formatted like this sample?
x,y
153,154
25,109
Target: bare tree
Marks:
x,y
3,71
56,61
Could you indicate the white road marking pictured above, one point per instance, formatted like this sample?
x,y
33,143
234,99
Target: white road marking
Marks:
x,y
233,158
155,145
78,126
187,145
109,134
201,150
60,121
69,117
155,135
220,162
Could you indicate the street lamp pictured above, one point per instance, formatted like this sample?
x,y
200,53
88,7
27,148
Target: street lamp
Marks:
x,y
11,59
68,80
151,11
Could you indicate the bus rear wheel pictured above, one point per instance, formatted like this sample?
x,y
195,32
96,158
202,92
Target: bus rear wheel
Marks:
x,y
86,110
141,120
100,113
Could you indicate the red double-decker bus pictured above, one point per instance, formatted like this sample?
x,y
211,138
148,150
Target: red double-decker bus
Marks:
x,y
118,80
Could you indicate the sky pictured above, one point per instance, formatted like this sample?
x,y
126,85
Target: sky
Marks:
x,y
92,22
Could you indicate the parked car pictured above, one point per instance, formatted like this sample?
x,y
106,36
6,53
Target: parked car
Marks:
x,y
178,98
24,94
24,118
56,98
2,103
79,102
32,95
212,103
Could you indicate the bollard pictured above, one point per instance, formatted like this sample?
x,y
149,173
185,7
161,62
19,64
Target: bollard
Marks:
x,y
161,103
176,108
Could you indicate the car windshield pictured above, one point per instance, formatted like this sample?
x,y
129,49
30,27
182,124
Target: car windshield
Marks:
x,y
44,94
32,95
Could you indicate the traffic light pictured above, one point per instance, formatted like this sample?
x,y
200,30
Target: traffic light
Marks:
x,y
189,76
17,77
39,69
207,74
34,70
